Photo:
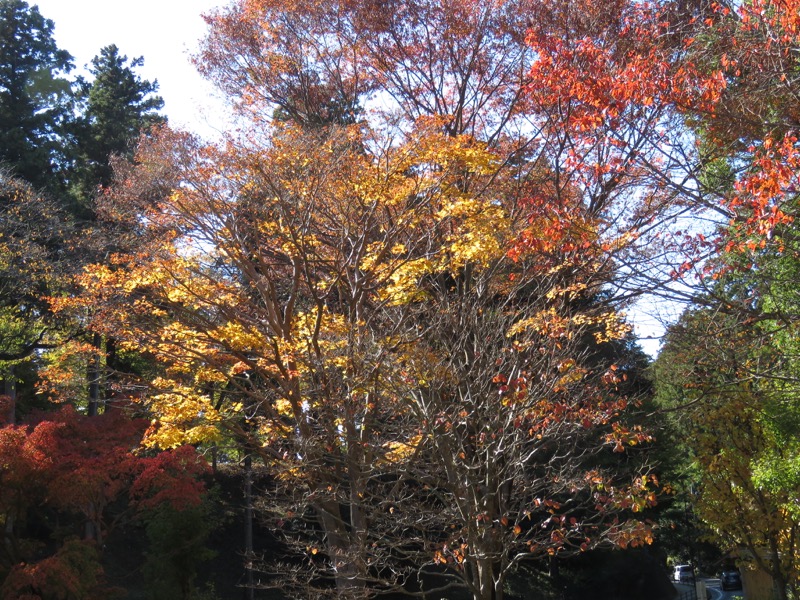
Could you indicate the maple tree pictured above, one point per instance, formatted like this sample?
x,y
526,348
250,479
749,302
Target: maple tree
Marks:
x,y
372,304
624,90
394,285
23,478
77,466
91,463
73,572
748,139
746,374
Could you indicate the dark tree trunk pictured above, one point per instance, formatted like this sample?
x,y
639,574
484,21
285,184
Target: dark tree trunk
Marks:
x,y
10,392
248,527
93,376
111,375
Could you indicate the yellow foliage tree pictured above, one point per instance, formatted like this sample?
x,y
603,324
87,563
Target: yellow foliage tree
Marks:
x,y
375,330
400,314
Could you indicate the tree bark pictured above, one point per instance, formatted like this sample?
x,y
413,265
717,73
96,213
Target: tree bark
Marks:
x,y
10,392
778,577
349,581
111,398
93,376
248,527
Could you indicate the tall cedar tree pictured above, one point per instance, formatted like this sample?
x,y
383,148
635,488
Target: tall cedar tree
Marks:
x,y
34,96
118,106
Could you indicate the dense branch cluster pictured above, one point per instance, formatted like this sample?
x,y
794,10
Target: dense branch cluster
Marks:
x,y
400,286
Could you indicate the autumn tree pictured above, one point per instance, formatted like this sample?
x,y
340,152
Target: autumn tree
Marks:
x,y
34,238
316,65
745,313
517,421
395,305
75,466
305,326
738,425
24,483
73,572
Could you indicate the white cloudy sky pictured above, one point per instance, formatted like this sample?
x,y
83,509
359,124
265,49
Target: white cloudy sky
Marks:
x,y
164,32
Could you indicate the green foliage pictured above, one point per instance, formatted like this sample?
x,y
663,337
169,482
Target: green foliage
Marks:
x,y
729,376
177,549
34,234
118,106
717,176
34,260
34,96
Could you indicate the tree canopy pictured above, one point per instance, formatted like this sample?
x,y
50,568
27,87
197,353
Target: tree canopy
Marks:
x,y
34,95
398,290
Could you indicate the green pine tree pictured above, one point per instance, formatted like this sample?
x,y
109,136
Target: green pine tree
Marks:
x,y
118,107
34,95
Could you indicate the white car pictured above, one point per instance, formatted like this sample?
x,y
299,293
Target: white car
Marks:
x,y
683,573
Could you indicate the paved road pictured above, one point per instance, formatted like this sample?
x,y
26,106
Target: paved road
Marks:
x,y
717,594
712,585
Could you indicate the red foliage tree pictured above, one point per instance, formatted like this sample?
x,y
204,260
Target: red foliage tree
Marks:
x,y
73,573
79,465
172,477
92,461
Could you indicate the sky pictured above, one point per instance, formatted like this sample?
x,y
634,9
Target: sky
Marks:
x,y
164,32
